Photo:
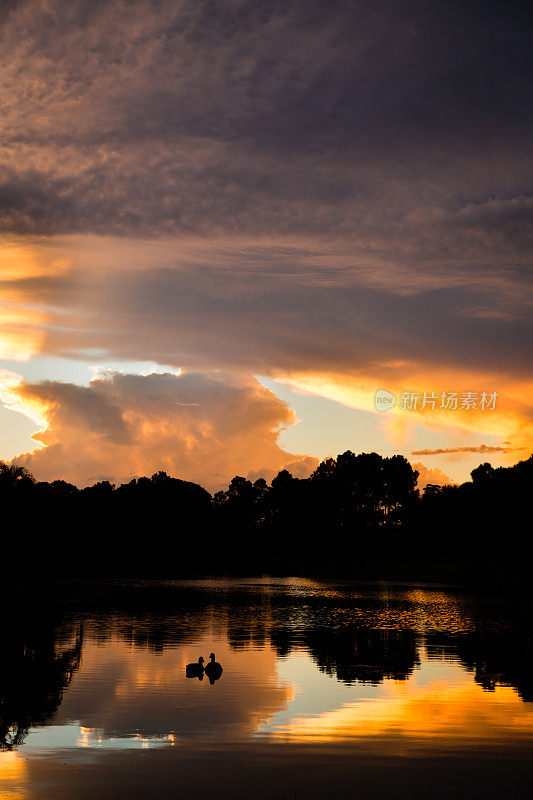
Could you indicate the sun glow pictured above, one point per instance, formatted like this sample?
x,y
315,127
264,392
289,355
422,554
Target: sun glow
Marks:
x,y
509,420
23,320
13,399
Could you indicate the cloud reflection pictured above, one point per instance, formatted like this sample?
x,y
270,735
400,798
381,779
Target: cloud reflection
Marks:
x,y
123,692
437,707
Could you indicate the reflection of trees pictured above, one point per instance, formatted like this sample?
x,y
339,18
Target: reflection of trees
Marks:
x,y
367,655
503,655
250,619
151,616
35,670
337,631
157,634
503,658
242,635
348,652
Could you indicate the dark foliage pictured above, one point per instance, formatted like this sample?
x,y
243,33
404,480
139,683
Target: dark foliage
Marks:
x,y
350,508
491,515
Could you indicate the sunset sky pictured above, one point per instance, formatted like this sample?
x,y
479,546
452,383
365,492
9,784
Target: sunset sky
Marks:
x,y
226,224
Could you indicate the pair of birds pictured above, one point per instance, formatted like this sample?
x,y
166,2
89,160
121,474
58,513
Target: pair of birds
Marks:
x,y
212,669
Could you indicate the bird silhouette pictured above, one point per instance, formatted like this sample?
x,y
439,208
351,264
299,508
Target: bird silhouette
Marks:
x,y
213,670
196,669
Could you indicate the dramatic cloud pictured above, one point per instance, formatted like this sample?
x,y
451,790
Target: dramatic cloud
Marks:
x,y
246,306
284,314
332,193
200,427
381,122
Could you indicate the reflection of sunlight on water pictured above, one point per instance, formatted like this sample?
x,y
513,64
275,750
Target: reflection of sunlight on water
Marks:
x,y
439,703
74,735
89,737
13,776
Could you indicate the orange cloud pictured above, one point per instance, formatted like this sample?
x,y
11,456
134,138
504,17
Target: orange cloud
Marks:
x,y
23,318
201,427
199,304
482,448
198,207
433,711
435,476
511,420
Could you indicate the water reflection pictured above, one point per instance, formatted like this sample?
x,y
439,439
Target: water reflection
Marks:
x,y
404,671
125,691
432,708
37,666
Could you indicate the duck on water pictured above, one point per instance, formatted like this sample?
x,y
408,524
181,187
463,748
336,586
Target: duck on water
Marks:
x,y
213,669
196,669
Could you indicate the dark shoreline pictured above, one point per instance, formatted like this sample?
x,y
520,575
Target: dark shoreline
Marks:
x,y
474,577
355,518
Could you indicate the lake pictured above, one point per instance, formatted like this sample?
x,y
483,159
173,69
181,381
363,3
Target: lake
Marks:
x,y
327,691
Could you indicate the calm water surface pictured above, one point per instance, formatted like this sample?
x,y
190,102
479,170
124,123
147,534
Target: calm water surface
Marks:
x,y
327,691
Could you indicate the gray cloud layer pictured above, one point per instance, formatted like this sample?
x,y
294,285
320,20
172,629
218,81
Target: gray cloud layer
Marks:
x,y
405,125
385,143
318,185
262,308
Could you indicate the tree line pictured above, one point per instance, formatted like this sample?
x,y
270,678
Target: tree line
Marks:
x,y
351,509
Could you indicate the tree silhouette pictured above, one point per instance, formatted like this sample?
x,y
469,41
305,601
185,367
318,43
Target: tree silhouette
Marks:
x,y
351,507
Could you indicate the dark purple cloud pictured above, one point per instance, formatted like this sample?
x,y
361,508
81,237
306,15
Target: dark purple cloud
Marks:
x,y
261,310
387,120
